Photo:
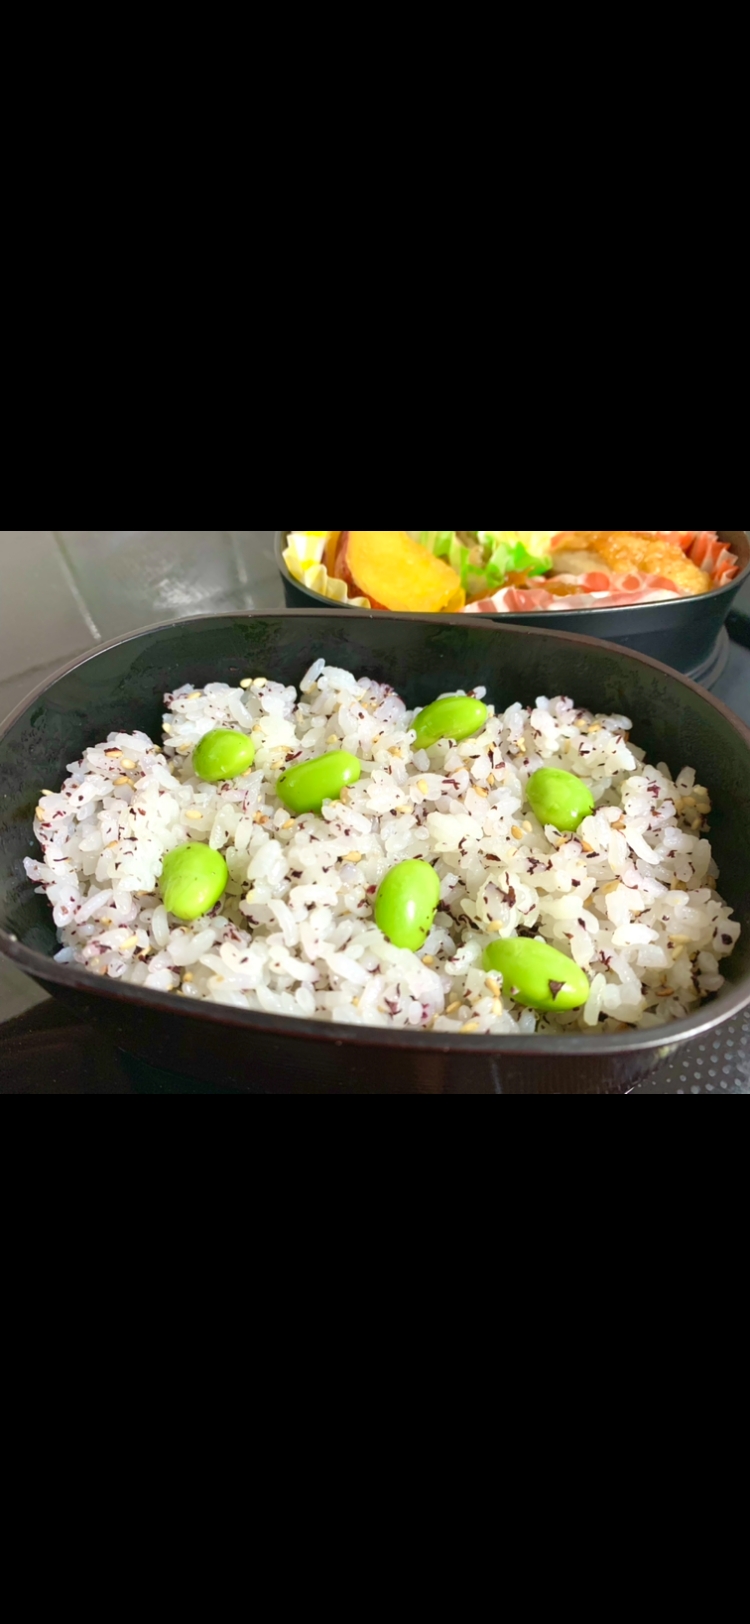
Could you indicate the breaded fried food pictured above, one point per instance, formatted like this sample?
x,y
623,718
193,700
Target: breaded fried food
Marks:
x,y
625,550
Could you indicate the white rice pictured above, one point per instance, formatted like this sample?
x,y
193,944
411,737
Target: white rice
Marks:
x,y
631,898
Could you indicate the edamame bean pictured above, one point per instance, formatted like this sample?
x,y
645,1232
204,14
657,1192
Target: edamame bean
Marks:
x,y
222,754
192,881
449,719
305,788
559,798
537,976
406,904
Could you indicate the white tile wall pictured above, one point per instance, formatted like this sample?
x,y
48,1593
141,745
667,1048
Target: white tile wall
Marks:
x,y
62,590
42,617
132,578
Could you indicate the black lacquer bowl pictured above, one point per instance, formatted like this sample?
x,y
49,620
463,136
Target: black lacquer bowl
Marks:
x,y
687,633
121,687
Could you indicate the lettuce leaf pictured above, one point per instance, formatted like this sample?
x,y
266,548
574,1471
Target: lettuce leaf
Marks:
x,y
500,558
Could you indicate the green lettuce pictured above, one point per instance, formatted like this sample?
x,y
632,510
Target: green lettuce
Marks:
x,y
499,559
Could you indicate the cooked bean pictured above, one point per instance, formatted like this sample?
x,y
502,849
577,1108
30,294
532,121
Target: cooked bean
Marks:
x,y
406,904
305,788
538,976
558,797
193,879
222,755
449,719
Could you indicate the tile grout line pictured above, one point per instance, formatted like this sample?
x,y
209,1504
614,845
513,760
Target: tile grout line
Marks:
x,y
239,561
67,570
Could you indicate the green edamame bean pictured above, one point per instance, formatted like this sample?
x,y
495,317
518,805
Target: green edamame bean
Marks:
x,y
193,879
557,797
537,976
449,719
305,788
406,904
222,754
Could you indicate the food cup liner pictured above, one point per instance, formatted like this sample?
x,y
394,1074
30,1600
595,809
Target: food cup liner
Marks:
x,y
304,559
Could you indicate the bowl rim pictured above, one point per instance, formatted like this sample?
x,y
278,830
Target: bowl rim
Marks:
x,y
728,1005
517,616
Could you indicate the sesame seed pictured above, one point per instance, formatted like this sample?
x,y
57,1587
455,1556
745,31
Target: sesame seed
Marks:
x,y
194,815
516,832
188,976
423,786
481,791
353,857
529,827
247,682
125,947
471,1026
428,960
452,1008
128,764
495,924
290,823
587,847
260,682
119,782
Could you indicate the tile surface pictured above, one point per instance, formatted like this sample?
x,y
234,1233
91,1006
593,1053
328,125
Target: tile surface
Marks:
x,y
134,578
41,616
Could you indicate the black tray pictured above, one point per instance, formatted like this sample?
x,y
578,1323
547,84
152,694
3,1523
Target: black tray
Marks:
x,y
49,1052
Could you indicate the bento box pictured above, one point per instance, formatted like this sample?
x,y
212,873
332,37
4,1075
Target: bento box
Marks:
x,y
687,633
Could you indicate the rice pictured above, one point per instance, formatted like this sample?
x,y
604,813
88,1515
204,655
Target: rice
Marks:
x,y
632,897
